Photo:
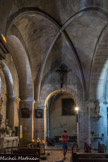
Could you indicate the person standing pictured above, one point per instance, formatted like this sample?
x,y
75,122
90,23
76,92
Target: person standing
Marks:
x,y
65,138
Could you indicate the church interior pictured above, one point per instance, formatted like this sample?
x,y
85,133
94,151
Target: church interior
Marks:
x,y
53,76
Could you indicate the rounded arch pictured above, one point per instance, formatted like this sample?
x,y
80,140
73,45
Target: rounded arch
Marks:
x,y
46,117
93,59
56,92
23,67
10,95
9,79
99,67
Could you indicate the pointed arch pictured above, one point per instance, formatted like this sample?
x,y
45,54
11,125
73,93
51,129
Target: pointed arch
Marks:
x,y
61,30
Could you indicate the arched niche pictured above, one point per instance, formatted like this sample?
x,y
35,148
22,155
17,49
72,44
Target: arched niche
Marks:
x,y
54,120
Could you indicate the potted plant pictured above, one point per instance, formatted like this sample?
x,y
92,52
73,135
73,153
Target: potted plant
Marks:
x,y
7,132
2,131
13,132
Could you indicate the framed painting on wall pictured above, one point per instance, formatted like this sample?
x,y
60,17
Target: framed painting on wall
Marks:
x,y
38,113
25,113
68,106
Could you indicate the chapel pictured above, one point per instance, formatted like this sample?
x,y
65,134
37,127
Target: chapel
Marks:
x,y
54,71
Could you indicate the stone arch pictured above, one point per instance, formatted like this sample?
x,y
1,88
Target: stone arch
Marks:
x,y
99,67
23,67
93,58
8,78
46,116
98,86
62,30
10,94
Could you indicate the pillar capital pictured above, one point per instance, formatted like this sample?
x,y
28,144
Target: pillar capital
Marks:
x,y
11,97
28,103
27,100
38,102
17,99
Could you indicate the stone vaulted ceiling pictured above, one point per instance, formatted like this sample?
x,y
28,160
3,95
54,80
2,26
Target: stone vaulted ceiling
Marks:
x,y
44,34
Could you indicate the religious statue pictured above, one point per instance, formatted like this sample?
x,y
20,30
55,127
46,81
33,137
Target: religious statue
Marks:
x,y
1,101
97,107
97,110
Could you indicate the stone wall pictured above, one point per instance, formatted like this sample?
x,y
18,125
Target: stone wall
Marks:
x,y
58,122
3,94
99,127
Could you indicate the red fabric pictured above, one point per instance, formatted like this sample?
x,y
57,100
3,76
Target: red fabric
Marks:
x,y
65,138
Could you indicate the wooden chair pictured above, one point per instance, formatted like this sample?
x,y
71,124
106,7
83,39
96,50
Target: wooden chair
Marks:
x,y
101,148
87,148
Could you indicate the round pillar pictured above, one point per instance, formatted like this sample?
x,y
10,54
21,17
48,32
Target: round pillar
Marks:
x,y
26,121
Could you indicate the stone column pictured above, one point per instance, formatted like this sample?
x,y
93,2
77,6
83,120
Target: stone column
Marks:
x,y
16,112
89,123
84,126
39,121
27,123
99,125
10,110
47,123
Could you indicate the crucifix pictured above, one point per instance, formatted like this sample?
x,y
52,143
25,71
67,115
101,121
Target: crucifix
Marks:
x,y
62,72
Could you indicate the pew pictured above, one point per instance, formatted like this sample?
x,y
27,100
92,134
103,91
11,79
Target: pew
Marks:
x,y
25,150
20,153
75,148
89,157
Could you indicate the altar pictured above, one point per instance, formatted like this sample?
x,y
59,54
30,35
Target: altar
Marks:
x,y
6,142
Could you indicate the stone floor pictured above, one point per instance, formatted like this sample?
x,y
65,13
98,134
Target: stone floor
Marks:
x,y
56,156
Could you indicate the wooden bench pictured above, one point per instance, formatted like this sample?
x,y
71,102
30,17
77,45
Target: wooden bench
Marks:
x,y
20,151
75,148
25,150
89,157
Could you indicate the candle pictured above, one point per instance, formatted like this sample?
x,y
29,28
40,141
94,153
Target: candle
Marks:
x,y
21,131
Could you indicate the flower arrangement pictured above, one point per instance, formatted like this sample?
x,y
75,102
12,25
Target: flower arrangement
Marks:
x,y
2,130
